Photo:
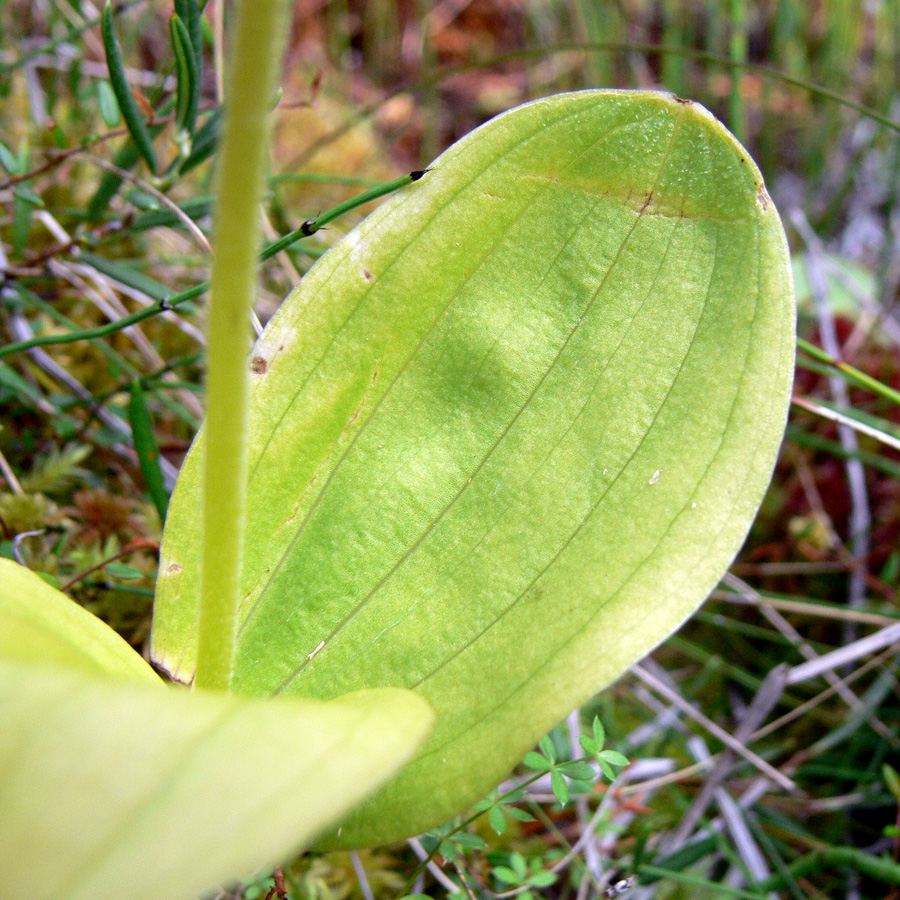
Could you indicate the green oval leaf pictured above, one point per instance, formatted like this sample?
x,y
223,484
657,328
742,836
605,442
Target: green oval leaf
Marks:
x,y
614,757
114,790
109,107
506,875
497,819
560,788
507,434
581,771
122,570
536,761
542,878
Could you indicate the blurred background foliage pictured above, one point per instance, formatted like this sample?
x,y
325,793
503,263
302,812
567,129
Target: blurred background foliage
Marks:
x,y
372,89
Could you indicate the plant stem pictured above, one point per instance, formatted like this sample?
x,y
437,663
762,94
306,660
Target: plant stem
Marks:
x,y
256,56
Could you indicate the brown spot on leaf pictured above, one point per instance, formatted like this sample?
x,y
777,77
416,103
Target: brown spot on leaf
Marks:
x,y
367,275
173,569
259,365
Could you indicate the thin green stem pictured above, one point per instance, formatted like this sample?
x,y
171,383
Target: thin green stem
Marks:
x,y
89,334
311,226
256,57
863,380
117,359
320,178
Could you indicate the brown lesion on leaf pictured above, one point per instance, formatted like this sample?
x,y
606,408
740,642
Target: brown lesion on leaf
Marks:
x,y
762,198
173,569
367,275
259,365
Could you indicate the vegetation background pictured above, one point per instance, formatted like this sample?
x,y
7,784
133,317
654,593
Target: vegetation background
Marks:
x,y
372,90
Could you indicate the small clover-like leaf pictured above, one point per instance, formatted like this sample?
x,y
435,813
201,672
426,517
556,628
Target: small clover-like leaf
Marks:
x,y
535,761
542,878
613,757
468,841
520,814
607,769
579,786
505,874
548,748
520,867
578,769
560,788
497,819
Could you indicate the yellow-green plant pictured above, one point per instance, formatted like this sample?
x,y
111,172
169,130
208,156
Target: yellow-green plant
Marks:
x,y
502,439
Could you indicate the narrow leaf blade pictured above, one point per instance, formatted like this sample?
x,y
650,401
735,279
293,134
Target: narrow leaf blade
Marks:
x,y
187,98
147,449
134,120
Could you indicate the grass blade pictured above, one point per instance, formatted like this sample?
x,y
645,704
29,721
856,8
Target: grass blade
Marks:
x,y
147,449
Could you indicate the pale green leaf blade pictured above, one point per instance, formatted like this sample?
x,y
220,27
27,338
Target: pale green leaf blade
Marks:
x,y
113,790
40,624
507,434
